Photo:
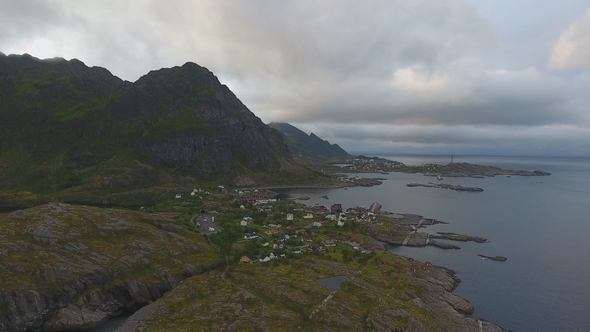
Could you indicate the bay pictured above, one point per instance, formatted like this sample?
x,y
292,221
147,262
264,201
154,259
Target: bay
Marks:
x,y
542,224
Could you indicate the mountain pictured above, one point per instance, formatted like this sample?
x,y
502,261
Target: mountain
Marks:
x,y
308,146
80,133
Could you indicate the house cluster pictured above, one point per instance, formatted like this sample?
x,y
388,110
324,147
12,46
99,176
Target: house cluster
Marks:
x,y
295,231
378,165
361,213
249,259
256,197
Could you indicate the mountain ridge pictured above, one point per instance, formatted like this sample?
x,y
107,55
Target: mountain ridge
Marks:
x,y
76,130
308,146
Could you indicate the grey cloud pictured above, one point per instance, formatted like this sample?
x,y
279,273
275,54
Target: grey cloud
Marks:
x,y
411,67
546,140
28,17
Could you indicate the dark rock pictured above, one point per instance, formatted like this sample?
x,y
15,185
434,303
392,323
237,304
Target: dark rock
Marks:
x,y
494,258
443,245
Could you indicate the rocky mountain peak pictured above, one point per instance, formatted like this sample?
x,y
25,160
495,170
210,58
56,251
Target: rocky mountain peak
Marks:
x,y
66,118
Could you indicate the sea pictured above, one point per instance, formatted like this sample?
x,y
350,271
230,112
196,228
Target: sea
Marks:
x,y
541,224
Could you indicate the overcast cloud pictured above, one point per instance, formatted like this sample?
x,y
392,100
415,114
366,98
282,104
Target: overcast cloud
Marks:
x,y
437,76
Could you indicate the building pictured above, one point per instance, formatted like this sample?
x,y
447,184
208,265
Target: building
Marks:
x,y
250,236
248,259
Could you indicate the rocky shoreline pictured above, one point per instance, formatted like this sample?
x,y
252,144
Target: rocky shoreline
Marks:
x,y
430,290
86,286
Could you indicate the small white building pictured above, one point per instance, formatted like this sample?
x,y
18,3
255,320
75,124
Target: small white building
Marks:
x,y
289,216
178,196
250,236
264,258
246,221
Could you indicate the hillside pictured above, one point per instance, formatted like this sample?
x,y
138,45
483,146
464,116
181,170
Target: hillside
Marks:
x,y
308,146
64,266
74,132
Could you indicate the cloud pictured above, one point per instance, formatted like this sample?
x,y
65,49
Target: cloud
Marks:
x,y
572,50
465,139
425,67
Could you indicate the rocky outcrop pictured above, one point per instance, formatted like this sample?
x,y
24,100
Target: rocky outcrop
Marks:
x,y
443,245
68,267
367,300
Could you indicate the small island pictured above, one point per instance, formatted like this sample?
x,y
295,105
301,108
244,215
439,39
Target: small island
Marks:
x,y
445,186
458,237
493,258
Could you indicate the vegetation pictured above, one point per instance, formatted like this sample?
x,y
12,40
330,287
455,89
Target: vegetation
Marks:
x,y
78,134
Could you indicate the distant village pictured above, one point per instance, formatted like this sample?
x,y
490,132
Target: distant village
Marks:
x,y
273,229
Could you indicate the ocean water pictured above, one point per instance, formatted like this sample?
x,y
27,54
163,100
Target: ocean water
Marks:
x,y
542,224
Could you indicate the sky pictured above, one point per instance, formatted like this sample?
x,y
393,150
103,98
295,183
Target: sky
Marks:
x,y
505,77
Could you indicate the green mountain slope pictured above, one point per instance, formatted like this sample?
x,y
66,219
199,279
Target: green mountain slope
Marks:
x,y
308,146
73,132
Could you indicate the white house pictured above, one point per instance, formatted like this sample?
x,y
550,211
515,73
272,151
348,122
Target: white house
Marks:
x,y
264,258
250,236
178,196
316,224
246,221
289,216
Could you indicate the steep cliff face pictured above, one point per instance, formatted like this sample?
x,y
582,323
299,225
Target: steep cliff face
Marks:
x,y
185,119
66,267
308,146
65,125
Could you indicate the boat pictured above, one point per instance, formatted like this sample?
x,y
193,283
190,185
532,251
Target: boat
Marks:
x,y
324,196
438,177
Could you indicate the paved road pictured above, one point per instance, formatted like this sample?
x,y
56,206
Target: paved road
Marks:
x,y
206,224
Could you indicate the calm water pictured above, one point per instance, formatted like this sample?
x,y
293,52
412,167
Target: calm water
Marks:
x,y
542,224
332,283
